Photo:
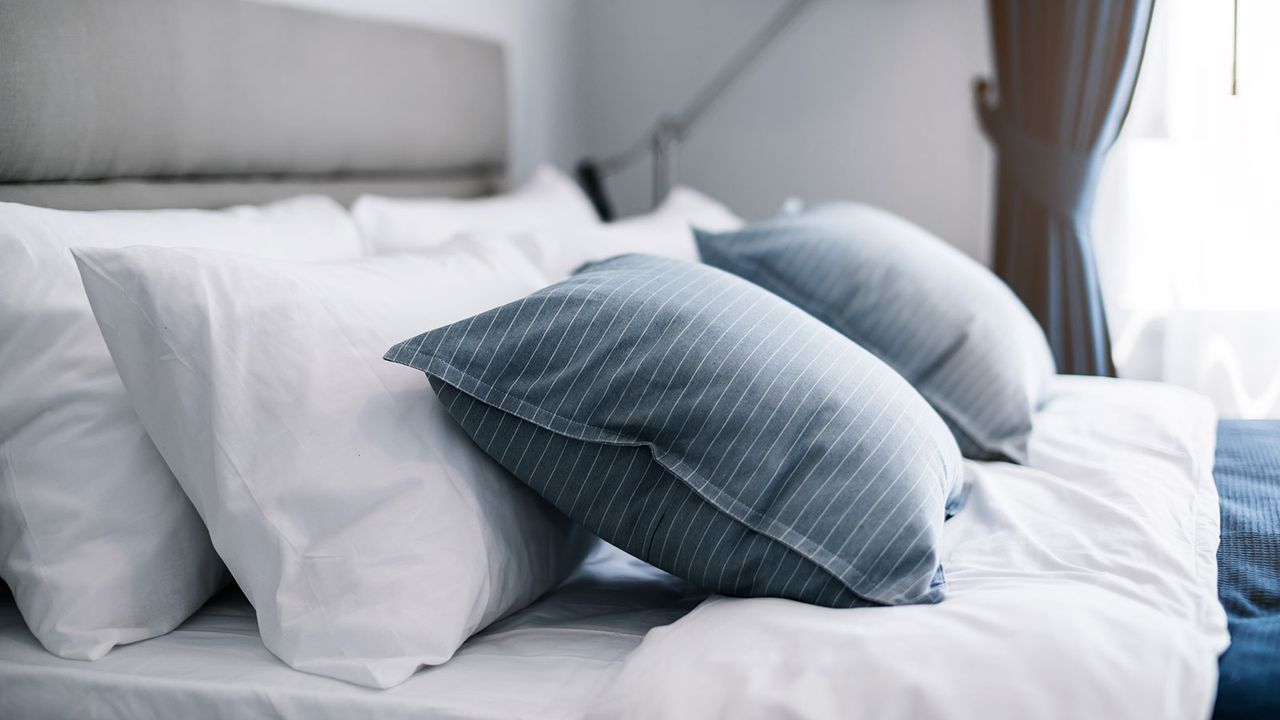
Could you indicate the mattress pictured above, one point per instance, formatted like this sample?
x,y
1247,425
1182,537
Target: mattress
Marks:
x,y
1247,472
1081,586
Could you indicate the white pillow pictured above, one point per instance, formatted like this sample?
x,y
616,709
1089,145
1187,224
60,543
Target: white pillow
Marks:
x,y
547,200
557,253
698,210
97,541
665,231
372,536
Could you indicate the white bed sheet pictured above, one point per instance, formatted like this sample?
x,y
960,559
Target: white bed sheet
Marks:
x,y
1082,587
547,661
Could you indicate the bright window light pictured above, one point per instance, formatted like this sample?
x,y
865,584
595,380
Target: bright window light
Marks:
x,y
1188,216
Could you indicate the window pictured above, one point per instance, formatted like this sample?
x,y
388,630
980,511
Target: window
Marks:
x,y
1187,222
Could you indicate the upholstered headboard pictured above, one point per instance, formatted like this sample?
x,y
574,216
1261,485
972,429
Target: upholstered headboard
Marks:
x,y
206,103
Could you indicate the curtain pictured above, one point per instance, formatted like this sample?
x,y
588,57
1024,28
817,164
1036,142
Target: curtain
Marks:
x,y
1065,74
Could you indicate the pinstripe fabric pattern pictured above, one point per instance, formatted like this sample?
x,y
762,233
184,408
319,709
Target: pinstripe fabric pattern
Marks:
x,y
708,427
944,322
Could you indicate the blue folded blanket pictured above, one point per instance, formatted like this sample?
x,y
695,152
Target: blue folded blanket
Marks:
x,y
1247,472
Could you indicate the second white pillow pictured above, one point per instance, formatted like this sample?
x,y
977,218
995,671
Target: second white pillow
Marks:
x,y
548,200
666,231
97,541
370,534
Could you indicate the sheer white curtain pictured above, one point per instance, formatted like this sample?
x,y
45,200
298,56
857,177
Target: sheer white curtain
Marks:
x,y
1187,223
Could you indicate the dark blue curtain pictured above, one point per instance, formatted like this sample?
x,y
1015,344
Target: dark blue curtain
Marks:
x,y
1065,73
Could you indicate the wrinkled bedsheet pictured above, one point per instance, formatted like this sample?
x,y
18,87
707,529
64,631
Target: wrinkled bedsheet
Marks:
x,y
1083,586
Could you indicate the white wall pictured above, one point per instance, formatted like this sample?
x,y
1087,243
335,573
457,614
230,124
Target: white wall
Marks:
x,y
540,37
861,99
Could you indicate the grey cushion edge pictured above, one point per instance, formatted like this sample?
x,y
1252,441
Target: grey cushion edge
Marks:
x,y
212,194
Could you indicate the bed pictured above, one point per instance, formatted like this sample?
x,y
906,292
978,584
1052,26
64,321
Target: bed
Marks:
x,y
1055,621
1084,584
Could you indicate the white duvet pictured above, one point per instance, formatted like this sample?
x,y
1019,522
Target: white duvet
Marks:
x,y
1083,586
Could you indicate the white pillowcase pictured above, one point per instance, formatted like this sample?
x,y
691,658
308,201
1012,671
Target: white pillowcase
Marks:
x,y
371,535
665,231
97,541
698,210
557,254
548,200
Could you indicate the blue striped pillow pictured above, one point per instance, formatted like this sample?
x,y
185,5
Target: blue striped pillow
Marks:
x,y
709,427
944,322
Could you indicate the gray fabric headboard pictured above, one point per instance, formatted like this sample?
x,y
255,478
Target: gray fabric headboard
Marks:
x,y
204,103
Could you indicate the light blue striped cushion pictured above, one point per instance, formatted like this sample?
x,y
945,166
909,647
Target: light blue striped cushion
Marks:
x,y
708,427
943,321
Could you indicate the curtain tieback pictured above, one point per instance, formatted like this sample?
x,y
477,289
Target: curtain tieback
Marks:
x,y
1059,177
